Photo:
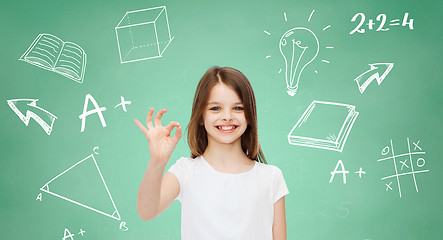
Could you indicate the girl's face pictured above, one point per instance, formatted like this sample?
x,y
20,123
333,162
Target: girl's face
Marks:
x,y
224,116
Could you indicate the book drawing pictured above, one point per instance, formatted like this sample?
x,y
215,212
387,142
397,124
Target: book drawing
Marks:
x,y
51,53
324,125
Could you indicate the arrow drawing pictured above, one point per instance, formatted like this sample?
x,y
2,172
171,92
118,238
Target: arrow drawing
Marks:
x,y
374,73
34,112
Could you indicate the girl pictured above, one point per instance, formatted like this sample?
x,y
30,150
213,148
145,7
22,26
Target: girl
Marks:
x,y
226,188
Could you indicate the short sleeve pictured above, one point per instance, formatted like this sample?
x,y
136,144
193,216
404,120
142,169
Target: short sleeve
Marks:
x,y
280,188
179,169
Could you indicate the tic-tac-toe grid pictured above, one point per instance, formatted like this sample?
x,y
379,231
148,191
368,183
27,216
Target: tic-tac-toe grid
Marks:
x,y
413,158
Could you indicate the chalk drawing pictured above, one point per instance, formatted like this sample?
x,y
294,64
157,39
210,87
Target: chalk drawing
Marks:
x,y
97,110
415,159
378,71
44,118
51,53
67,235
388,186
324,125
123,227
310,16
299,47
382,19
342,171
360,172
90,164
123,103
143,34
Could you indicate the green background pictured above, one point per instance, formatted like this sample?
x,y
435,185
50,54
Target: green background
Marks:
x,y
407,104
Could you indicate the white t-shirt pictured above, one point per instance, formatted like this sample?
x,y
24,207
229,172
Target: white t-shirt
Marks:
x,y
223,206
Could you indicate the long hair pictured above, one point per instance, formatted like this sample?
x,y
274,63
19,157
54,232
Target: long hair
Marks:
x,y
197,136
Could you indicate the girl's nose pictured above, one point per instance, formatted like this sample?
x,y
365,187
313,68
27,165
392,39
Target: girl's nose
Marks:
x,y
227,116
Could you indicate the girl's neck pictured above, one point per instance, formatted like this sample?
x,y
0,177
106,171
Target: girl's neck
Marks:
x,y
227,157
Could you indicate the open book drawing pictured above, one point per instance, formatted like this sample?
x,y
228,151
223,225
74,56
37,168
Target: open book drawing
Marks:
x,y
51,53
324,125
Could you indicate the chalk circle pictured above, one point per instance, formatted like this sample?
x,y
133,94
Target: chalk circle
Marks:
x,y
283,42
418,162
385,151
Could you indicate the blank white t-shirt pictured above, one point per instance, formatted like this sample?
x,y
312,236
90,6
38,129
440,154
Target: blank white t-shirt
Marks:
x,y
223,206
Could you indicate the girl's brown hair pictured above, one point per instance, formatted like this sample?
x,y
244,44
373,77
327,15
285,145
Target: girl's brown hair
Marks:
x,y
197,138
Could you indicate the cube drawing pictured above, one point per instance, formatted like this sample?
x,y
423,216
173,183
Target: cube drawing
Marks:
x,y
143,34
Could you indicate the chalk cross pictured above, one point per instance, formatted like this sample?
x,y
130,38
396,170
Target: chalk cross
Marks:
x,y
404,164
388,186
416,145
360,172
123,103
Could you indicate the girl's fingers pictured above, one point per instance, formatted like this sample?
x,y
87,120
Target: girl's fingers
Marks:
x,y
178,134
171,126
149,118
157,118
140,125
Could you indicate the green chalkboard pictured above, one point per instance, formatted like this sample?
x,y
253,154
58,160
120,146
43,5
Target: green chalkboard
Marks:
x,y
349,97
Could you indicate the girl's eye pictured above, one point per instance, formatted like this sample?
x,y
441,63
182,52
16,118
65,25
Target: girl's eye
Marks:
x,y
238,108
215,108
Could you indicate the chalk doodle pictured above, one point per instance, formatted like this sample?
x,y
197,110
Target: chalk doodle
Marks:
x,y
299,47
51,53
378,72
336,171
44,118
143,34
343,171
67,235
324,125
59,187
82,232
97,110
123,103
382,19
413,158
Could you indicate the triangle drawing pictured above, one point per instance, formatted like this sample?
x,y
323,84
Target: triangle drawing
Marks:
x,y
83,184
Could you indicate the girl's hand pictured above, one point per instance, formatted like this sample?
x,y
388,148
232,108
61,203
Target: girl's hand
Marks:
x,y
161,144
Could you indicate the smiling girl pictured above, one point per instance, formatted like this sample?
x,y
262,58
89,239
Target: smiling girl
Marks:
x,y
226,188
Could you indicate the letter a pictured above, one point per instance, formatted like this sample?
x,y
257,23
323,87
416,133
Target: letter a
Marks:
x,y
96,109
39,197
69,235
343,171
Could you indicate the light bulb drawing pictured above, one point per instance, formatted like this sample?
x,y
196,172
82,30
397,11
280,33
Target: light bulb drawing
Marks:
x,y
299,47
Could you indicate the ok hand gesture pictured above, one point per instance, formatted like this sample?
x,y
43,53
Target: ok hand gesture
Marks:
x,y
161,144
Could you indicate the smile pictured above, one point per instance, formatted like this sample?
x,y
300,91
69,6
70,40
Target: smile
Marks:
x,y
227,128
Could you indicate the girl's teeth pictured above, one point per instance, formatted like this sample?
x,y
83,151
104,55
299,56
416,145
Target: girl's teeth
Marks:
x,y
226,128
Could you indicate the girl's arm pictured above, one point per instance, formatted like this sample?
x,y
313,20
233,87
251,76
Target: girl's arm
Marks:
x,y
156,191
279,226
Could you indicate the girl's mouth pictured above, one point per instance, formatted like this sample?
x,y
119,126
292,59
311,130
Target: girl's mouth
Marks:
x,y
227,128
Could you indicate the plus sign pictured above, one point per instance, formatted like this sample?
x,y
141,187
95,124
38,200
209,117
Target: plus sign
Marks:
x,y
81,232
370,24
123,103
360,172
